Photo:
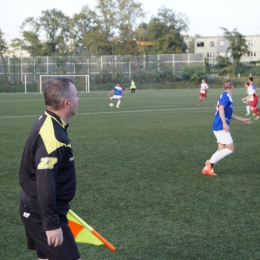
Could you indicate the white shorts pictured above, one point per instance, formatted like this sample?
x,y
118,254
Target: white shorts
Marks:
x,y
117,97
223,137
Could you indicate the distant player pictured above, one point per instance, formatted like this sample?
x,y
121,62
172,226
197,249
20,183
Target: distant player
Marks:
x,y
252,82
132,87
118,89
203,91
221,128
252,98
246,100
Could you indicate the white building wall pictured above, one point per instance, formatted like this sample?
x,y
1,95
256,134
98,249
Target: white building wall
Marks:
x,y
214,46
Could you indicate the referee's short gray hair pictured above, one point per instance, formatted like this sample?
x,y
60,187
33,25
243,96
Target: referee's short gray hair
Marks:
x,y
56,90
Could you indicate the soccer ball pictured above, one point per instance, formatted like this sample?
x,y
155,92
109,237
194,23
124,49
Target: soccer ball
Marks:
x,y
111,104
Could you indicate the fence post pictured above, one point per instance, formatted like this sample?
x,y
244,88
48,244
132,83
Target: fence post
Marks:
x,y
173,64
21,68
138,79
71,63
34,75
129,71
88,61
25,86
47,65
158,62
101,63
124,72
14,71
52,63
8,69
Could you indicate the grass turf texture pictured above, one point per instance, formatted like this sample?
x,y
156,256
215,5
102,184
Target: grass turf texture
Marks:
x,y
139,176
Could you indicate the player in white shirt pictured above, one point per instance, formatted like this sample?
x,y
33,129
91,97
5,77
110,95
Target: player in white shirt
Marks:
x,y
252,99
246,101
203,91
118,89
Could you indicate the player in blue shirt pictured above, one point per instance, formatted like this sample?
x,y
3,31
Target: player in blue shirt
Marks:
x,y
221,127
118,89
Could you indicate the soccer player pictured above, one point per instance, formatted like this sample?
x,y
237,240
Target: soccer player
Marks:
x,y
132,87
118,89
251,80
246,100
221,128
252,99
47,176
203,91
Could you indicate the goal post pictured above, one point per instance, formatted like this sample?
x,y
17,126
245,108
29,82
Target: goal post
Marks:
x,y
81,81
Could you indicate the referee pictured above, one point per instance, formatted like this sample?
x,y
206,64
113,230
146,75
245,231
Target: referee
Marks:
x,y
47,176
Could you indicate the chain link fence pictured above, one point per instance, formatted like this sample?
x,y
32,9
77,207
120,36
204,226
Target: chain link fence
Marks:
x,y
148,71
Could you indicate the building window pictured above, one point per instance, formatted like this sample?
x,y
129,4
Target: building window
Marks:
x,y
200,44
221,43
222,54
210,55
252,54
211,44
250,42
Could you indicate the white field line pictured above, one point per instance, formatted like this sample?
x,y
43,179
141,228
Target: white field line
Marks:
x,y
129,111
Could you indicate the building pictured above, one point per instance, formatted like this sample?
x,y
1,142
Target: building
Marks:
x,y
214,46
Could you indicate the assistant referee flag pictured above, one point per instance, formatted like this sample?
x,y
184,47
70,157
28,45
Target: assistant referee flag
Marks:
x,y
83,233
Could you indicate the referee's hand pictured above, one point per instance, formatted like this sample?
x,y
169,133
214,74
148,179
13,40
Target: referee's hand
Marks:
x,y
55,237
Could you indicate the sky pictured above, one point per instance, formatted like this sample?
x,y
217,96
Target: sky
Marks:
x,y
205,17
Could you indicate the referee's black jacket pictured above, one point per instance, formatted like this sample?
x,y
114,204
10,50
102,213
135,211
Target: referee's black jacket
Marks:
x,y
47,171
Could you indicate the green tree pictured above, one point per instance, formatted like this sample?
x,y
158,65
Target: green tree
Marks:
x,y
101,39
222,62
55,26
30,38
82,24
193,73
190,41
114,29
142,35
3,49
237,45
165,31
29,42
3,44
128,13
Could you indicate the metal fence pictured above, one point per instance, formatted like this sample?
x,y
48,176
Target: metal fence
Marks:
x,y
103,71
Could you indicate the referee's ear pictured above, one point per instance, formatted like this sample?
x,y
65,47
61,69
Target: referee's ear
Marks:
x,y
65,103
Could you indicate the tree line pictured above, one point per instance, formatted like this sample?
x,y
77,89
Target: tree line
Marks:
x,y
114,27
109,28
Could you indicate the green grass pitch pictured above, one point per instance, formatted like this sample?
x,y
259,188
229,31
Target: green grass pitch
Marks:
x,y
139,176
